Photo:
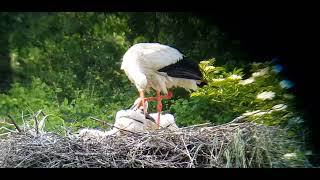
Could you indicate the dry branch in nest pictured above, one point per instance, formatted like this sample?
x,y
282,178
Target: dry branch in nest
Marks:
x,y
229,145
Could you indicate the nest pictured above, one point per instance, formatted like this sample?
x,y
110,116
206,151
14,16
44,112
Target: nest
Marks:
x,y
228,145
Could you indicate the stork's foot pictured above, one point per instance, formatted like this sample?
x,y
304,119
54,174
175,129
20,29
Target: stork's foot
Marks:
x,y
169,95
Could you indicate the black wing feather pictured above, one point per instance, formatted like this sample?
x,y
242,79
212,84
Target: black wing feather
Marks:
x,y
183,69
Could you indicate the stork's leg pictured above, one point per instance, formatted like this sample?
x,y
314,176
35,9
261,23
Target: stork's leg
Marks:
x,y
168,96
143,102
159,103
159,107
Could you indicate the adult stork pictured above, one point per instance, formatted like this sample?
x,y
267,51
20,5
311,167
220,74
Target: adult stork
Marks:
x,y
160,67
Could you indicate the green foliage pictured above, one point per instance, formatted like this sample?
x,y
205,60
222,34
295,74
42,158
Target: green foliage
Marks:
x,y
77,56
185,31
27,100
68,66
226,97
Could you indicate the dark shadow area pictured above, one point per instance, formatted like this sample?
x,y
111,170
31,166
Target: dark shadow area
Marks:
x,y
287,37
5,66
5,73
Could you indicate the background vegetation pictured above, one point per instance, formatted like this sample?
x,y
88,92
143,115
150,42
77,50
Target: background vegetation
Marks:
x,y
68,66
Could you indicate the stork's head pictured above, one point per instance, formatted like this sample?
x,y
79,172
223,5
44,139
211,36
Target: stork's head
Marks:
x,y
137,105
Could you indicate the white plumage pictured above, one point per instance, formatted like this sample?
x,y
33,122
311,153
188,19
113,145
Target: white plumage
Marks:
x,y
160,67
127,123
141,64
131,121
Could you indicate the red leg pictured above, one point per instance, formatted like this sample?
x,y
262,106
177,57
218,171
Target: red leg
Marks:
x,y
159,103
150,98
168,96
159,107
143,102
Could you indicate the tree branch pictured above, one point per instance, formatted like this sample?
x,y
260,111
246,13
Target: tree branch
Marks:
x,y
14,123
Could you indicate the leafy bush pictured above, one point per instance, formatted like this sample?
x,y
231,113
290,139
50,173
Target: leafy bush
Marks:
x,y
228,96
77,57
68,64
25,101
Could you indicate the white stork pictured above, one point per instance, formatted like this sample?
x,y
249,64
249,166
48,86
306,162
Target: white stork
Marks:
x,y
160,67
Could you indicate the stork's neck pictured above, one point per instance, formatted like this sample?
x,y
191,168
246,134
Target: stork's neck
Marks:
x,y
140,79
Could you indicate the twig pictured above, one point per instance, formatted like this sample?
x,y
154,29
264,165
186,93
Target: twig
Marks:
x,y
14,123
237,120
103,122
4,134
157,149
42,121
24,124
198,125
36,121
188,153
7,129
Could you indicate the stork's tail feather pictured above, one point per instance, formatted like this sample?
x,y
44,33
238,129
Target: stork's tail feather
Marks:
x,y
184,68
203,83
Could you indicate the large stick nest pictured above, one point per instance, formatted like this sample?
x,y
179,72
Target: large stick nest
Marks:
x,y
229,145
